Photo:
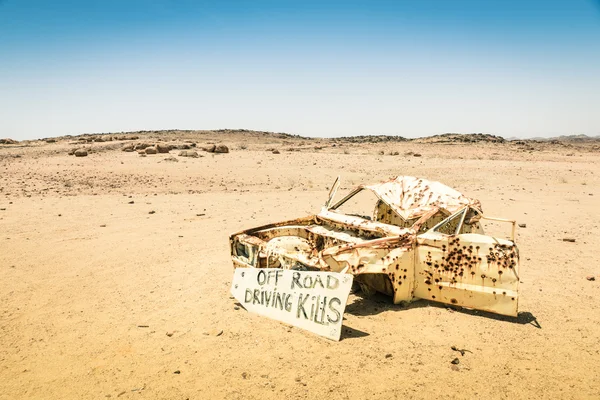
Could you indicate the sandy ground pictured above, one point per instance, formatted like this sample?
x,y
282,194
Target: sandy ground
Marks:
x,y
101,299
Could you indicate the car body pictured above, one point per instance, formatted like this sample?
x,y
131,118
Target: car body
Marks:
x,y
424,240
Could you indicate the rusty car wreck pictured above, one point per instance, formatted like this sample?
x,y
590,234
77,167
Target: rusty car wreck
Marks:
x,y
424,240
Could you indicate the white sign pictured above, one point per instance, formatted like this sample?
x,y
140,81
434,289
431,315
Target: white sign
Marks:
x,y
314,301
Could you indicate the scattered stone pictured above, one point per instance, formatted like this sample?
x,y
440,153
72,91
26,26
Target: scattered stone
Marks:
x,y
131,202
454,368
177,372
461,351
163,148
214,332
128,147
210,149
522,225
388,355
276,151
171,159
143,326
103,226
416,155
237,308
455,361
169,334
221,149
200,215
189,153
150,150
152,212
80,153
568,239
244,375
590,278
50,140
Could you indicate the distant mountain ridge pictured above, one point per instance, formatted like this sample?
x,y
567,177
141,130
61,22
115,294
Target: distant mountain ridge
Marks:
x,y
375,138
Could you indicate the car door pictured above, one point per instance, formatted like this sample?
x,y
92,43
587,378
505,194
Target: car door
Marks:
x,y
455,263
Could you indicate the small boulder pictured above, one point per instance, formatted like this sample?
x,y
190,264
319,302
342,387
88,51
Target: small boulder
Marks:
x,y
210,149
50,140
590,278
128,148
221,149
141,146
275,151
80,153
150,150
163,148
189,153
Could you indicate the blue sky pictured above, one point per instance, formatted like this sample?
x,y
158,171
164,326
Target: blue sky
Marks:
x,y
316,68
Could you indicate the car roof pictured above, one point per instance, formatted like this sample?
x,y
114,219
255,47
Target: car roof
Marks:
x,y
413,197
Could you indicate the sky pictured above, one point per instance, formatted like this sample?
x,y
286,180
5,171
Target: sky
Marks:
x,y
515,68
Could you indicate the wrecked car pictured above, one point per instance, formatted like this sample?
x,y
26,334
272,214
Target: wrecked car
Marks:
x,y
417,239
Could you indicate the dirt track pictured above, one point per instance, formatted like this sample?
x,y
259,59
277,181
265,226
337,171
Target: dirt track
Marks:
x,y
92,285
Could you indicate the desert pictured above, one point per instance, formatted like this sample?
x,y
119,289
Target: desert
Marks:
x,y
116,271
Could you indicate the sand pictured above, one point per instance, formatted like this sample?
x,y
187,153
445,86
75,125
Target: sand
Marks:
x,y
100,298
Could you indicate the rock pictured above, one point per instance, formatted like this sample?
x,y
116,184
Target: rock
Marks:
x,y
128,147
8,141
150,150
568,239
214,332
590,278
131,202
169,334
221,149
170,159
189,153
50,140
141,146
177,372
455,361
152,212
80,153
276,151
210,149
103,226
388,355
416,155
163,148
522,225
